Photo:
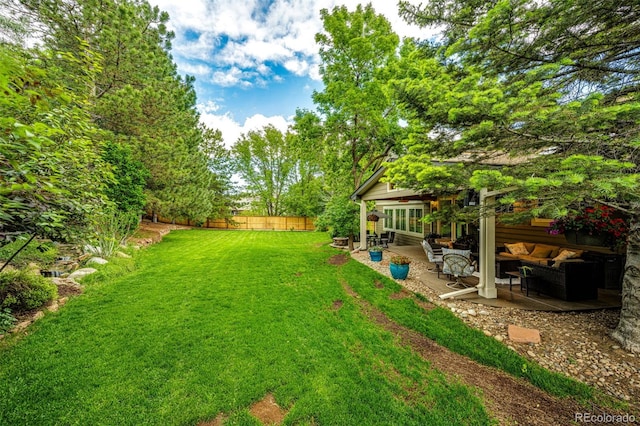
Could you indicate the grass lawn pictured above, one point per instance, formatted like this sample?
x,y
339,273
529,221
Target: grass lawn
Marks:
x,y
210,322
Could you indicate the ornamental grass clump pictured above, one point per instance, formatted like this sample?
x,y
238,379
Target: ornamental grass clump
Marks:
x,y
400,260
599,220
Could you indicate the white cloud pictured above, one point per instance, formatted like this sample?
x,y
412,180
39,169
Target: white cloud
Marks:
x,y
232,130
283,34
235,43
298,67
195,69
208,107
232,77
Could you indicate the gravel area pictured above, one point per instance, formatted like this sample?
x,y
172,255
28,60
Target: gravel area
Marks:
x,y
576,344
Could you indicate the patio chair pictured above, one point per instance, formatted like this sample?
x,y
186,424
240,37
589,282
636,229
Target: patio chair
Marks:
x,y
434,256
458,266
384,239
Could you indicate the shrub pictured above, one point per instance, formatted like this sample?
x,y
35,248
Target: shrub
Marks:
x,y
23,290
6,320
44,254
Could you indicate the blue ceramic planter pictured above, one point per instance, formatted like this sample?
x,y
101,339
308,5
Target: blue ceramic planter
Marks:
x,y
399,272
376,256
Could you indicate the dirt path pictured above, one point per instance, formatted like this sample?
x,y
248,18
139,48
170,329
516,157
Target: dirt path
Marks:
x,y
508,399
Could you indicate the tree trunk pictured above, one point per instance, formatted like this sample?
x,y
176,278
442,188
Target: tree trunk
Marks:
x,y
628,330
16,253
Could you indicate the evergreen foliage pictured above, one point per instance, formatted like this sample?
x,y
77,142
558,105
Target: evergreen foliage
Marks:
x,y
112,81
547,90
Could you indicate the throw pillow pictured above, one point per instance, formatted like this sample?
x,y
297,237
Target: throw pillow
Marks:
x,y
564,255
516,248
541,252
555,250
576,253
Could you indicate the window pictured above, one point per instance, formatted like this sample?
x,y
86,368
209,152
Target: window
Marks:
x,y
388,221
415,222
406,218
401,219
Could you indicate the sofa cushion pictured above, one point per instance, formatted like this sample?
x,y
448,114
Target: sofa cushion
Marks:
x,y
529,258
555,250
465,253
507,254
541,251
516,248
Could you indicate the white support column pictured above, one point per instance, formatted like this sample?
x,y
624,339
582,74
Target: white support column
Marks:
x,y
363,225
487,285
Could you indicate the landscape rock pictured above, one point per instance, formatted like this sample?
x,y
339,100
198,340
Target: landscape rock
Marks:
x,y
82,273
123,255
21,326
98,260
88,248
38,315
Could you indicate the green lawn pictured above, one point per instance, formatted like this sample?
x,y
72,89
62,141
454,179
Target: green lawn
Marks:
x,y
210,322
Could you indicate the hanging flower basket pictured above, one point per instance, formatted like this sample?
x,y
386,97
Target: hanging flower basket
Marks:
x,y
586,239
594,226
372,218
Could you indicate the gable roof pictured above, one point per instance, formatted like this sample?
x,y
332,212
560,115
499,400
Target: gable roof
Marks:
x,y
368,184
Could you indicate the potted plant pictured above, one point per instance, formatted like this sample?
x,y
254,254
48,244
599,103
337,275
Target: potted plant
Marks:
x,y
399,267
375,253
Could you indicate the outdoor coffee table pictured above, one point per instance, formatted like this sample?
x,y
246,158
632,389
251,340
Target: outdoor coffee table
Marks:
x,y
523,283
504,264
515,274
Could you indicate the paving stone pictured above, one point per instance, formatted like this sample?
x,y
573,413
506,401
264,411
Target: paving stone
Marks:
x,y
523,335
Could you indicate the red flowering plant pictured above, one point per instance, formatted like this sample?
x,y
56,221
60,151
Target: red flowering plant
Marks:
x,y
599,220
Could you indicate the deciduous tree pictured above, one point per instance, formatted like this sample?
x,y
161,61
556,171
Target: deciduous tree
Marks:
x,y
51,174
264,160
360,121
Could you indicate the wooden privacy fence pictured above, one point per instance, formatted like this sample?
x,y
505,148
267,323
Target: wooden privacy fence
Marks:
x,y
275,223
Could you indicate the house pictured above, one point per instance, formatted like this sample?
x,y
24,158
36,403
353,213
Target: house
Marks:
x,y
405,208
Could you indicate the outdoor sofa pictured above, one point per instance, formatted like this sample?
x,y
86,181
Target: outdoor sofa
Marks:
x,y
569,280
556,271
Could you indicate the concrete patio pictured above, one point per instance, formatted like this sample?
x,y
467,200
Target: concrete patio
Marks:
x,y
512,299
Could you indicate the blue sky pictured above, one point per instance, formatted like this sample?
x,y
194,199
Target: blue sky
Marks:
x,y
255,61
